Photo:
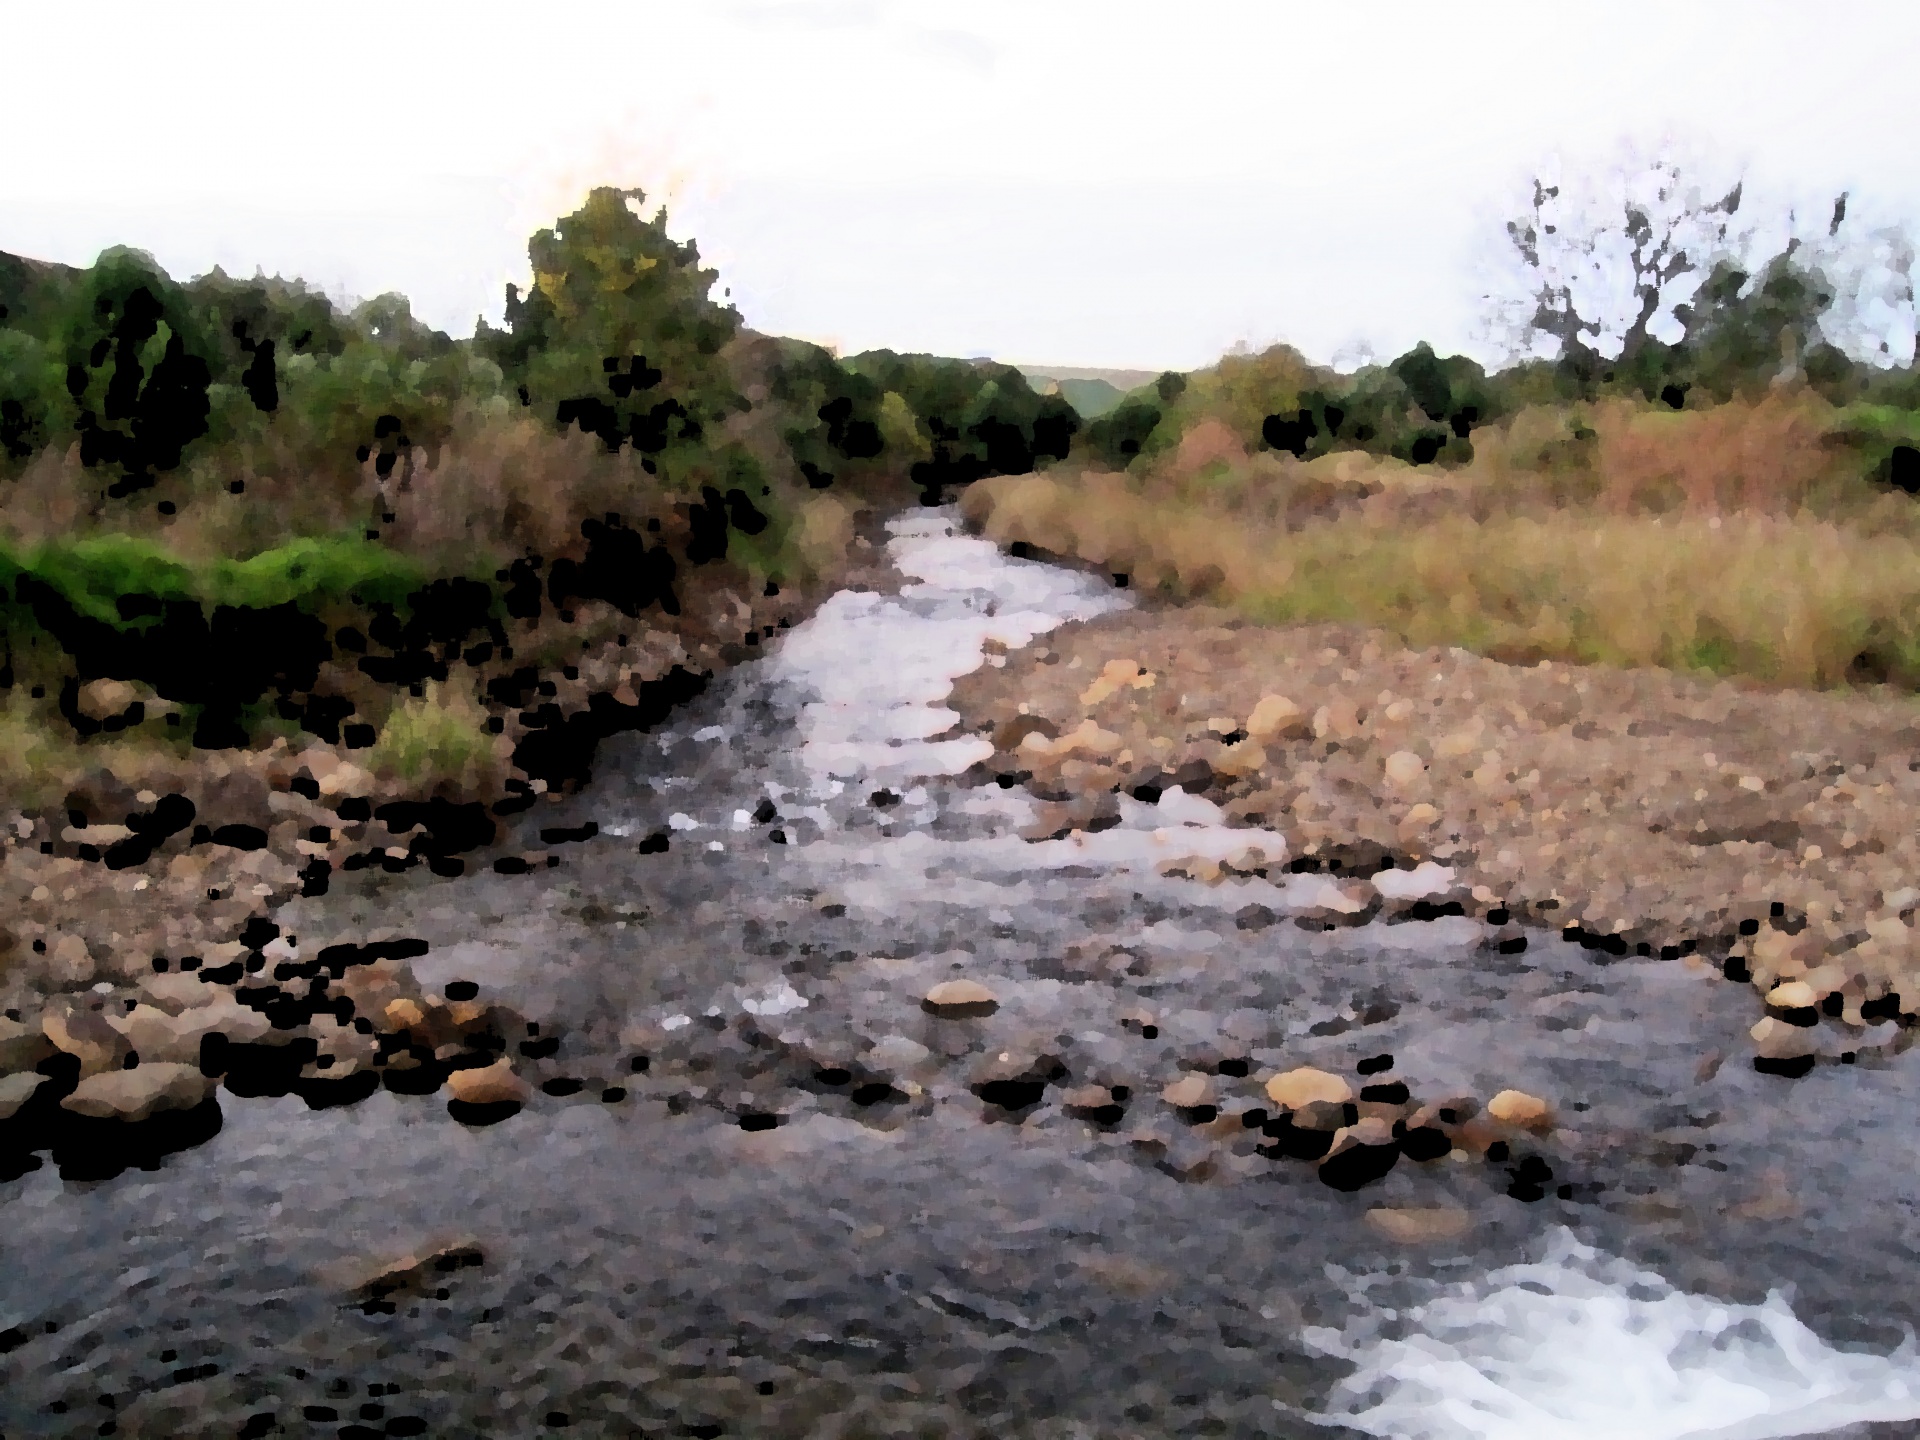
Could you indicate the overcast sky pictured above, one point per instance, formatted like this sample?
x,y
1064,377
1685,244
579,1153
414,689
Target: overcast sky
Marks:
x,y
1110,183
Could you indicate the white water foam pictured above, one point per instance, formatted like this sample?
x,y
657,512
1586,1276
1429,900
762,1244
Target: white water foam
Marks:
x,y
1583,1346
881,666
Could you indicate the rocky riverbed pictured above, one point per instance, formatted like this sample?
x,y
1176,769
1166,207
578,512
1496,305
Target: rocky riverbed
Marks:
x,y
828,1085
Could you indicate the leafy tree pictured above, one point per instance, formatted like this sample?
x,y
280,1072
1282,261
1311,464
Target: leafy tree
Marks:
x,y
836,413
981,418
138,365
618,333
31,396
1116,438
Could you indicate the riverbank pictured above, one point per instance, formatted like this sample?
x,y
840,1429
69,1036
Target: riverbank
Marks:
x,y
1765,831
145,871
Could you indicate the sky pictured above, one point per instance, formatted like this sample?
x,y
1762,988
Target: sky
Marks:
x,y
1047,182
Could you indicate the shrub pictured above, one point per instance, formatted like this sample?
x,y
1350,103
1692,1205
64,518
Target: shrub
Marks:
x,y
435,738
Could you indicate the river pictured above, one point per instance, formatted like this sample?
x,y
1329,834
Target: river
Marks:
x,y
760,1192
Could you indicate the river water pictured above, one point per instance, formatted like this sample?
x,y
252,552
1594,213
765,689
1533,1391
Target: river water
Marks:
x,y
801,1218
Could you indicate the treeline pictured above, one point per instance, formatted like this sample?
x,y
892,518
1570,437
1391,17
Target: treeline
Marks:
x,y
1745,335
169,393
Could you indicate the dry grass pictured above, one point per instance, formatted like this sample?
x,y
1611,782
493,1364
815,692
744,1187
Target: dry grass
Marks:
x,y
1730,540
505,485
439,739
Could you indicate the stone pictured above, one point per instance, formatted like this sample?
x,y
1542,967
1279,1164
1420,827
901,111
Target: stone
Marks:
x,y
1275,716
959,999
1325,1116
1246,757
1403,767
1520,1110
896,1053
155,1035
177,990
1088,1099
1417,821
1189,1092
1360,1154
22,1046
16,1090
1305,1085
110,699
86,1036
136,1094
494,1084
1419,1226
1792,995
69,963
1775,1039
1116,675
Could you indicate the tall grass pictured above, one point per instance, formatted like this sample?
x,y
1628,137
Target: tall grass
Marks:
x,y
440,736
1729,540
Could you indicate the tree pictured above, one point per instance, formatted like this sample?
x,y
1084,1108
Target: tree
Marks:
x,y
618,333
138,367
1637,279
1598,271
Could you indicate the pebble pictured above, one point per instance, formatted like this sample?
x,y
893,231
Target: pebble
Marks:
x,y
1403,767
1792,995
1189,1092
1517,1108
494,1084
87,1037
16,1090
1305,1085
1276,715
959,998
1419,1226
22,1046
136,1094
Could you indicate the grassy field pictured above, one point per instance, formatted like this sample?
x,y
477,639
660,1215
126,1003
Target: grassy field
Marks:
x,y
1740,540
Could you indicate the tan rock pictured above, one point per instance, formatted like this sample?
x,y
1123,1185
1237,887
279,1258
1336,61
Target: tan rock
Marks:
x,y
406,1014
99,836
136,1094
1777,1040
1419,1226
960,999
1368,1131
1116,675
1792,995
1086,1097
226,1016
1245,757
87,1037
1323,1115
1403,767
1419,816
494,1084
106,699
1339,717
155,1035
1189,1091
1275,716
1304,1085
16,1090
1521,1110
22,1046
69,963
177,990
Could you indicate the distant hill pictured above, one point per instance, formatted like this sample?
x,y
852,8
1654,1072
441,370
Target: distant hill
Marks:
x,y
1091,392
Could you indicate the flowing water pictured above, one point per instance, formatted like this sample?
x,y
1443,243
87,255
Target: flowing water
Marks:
x,y
763,1192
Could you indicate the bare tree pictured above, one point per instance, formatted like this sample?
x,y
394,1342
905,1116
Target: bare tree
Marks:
x,y
1601,267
